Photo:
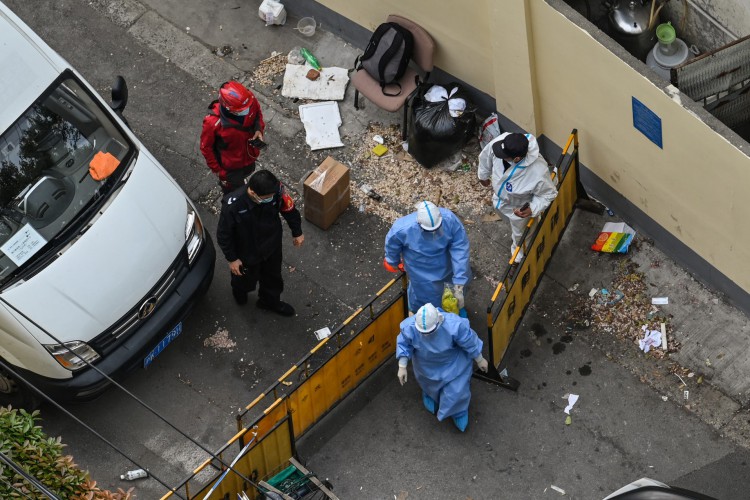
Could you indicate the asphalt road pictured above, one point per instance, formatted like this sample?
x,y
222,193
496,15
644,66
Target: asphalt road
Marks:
x,y
381,443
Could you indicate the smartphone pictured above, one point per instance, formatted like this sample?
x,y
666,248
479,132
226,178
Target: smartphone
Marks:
x,y
258,143
524,207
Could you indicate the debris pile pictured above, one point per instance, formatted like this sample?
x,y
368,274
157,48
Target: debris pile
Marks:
x,y
270,68
622,310
402,182
220,340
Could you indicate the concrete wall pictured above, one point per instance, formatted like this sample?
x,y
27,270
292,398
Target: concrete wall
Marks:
x,y
709,24
550,71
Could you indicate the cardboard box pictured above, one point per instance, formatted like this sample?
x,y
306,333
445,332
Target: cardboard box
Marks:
x,y
326,198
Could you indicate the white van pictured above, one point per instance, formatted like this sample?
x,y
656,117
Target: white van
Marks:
x,y
103,270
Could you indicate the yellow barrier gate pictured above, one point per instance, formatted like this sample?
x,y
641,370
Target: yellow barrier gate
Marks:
x,y
301,397
505,312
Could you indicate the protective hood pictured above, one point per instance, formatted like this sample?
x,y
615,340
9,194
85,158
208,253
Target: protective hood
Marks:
x,y
112,266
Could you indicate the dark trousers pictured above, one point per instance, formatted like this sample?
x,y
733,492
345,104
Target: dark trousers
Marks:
x,y
267,273
236,178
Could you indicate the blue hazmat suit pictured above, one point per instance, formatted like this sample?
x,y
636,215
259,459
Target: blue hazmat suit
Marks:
x,y
442,361
431,258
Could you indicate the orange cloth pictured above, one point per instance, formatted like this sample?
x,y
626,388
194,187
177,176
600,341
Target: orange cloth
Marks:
x,y
102,165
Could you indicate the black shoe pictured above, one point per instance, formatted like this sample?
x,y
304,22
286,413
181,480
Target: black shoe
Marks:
x,y
281,308
239,296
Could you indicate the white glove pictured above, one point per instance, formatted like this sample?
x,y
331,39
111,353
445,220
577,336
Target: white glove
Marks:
x,y
402,374
458,292
482,363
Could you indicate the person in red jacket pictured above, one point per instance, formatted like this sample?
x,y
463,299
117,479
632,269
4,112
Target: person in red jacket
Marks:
x,y
233,121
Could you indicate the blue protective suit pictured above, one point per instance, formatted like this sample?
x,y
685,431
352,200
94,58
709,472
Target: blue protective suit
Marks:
x,y
430,258
442,361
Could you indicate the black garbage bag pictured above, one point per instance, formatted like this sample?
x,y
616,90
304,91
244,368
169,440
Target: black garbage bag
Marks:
x,y
434,134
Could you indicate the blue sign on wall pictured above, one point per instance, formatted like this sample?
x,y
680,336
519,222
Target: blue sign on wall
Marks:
x,y
647,122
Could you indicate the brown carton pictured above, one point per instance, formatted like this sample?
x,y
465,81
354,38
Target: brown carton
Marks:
x,y
326,198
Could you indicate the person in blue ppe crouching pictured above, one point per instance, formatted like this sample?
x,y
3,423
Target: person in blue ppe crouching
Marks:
x,y
441,346
432,247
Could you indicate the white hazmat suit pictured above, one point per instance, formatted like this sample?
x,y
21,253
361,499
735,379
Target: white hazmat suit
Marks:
x,y
515,184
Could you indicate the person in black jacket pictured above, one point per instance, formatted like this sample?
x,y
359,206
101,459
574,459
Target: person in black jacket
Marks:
x,y
249,235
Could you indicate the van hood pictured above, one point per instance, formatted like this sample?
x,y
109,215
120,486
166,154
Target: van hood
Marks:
x,y
112,266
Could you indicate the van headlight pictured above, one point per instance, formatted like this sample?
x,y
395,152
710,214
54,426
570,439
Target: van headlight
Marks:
x,y
69,354
193,233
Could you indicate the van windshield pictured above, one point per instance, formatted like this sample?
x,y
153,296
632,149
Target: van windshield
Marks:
x,y
61,156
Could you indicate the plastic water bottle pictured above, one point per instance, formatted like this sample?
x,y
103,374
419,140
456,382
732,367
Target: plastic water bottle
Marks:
x,y
134,474
310,58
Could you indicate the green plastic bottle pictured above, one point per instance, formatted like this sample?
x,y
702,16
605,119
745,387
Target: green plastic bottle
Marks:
x,y
310,58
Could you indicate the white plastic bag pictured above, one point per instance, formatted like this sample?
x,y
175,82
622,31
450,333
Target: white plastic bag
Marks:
x,y
436,93
489,130
272,12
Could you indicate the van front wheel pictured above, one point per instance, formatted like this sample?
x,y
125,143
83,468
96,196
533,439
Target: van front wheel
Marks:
x,y
15,394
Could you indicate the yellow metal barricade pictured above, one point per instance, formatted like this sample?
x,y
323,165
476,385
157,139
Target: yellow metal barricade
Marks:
x,y
302,396
516,289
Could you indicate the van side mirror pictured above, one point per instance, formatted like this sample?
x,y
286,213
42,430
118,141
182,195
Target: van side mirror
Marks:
x,y
119,95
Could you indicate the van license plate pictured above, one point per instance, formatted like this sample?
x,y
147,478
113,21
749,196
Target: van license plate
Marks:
x,y
173,334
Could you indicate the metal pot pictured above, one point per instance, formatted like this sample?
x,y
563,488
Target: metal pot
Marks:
x,y
629,20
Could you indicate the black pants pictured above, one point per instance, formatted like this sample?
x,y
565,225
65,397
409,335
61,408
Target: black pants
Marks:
x,y
236,178
266,272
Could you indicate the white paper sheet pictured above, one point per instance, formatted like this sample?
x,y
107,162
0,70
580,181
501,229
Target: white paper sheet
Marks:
x,y
572,398
322,121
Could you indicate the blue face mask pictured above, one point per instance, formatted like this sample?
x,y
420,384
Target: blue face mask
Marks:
x,y
263,201
243,113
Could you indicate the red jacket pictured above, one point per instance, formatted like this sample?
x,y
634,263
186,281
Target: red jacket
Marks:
x,y
224,141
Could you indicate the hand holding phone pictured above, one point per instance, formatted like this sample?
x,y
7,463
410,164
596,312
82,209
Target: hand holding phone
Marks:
x,y
258,143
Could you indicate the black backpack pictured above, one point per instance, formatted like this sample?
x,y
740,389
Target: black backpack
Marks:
x,y
387,55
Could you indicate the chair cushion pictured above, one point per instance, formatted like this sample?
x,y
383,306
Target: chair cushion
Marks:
x,y
370,88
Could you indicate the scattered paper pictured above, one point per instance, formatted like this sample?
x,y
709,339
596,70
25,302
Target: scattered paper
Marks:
x,y
323,333
558,489
592,292
614,238
322,121
651,338
573,288
330,86
660,301
572,398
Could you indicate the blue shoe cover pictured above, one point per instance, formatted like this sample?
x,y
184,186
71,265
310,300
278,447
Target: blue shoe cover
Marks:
x,y
462,313
429,403
461,421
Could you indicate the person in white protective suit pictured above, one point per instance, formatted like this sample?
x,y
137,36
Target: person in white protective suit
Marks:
x,y
433,247
441,346
521,182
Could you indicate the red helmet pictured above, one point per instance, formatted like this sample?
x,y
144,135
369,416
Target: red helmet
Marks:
x,y
235,97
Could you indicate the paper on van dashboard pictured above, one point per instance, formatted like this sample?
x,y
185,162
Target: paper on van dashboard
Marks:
x,y
23,245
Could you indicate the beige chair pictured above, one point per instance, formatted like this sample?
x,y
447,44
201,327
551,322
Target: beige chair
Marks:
x,y
424,47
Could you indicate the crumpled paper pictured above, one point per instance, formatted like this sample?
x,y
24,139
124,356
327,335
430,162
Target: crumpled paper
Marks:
x,y
651,338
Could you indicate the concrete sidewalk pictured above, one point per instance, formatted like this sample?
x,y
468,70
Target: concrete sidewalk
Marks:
x,y
340,269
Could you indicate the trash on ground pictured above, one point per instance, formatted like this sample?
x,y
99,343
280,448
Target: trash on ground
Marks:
x,y
378,138
664,337
369,191
272,12
295,56
269,68
220,340
592,292
322,121
558,489
306,26
686,395
664,398
379,150
660,301
568,420
134,474
573,288
313,74
492,217
310,58
323,333
651,338
609,299
331,85
615,237
489,130
572,398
